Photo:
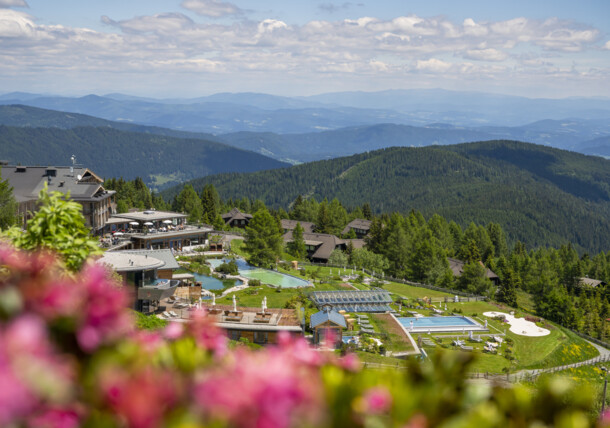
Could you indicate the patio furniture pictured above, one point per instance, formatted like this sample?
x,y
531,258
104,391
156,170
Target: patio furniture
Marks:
x,y
174,314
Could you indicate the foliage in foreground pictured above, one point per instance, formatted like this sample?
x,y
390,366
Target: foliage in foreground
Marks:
x,y
70,356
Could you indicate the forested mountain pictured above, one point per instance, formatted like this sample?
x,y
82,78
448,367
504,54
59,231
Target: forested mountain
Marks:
x,y
541,196
113,153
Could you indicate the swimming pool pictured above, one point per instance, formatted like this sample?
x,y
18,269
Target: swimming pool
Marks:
x,y
439,324
211,283
265,276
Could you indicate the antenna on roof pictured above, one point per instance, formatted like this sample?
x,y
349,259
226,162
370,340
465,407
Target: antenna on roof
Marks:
x,y
73,159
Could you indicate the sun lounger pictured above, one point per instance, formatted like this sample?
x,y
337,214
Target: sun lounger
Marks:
x,y
173,314
166,315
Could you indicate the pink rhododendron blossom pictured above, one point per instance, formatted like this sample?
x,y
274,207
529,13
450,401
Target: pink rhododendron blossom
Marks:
x,y
377,400
150,341
103,317
206,333
350,362
299,349
142,397
30,372
173,330
262,390
56,418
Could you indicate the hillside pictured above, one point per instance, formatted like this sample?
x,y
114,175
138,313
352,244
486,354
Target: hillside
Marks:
x,y
541,196
159,160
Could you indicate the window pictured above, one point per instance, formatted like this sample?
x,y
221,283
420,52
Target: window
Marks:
x,y
234,334
260,337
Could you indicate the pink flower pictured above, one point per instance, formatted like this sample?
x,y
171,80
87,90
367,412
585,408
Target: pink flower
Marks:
x,y
173,330
207,334
31,373
56,418
377,400
142,398
261,390
104,317
350,362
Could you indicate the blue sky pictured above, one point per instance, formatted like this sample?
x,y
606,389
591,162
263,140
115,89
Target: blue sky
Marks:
x,y
188,48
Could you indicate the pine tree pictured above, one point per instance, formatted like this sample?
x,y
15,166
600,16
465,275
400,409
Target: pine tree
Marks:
x,y
263,239
297,246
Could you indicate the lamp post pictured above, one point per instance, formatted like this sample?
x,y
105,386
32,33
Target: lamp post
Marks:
x,y
605,370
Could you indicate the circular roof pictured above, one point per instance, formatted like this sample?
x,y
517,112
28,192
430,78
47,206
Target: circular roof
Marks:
x,y
122,262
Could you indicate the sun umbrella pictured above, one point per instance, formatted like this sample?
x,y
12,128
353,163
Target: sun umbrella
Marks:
x,y
118,233
167,221
134,223
148,223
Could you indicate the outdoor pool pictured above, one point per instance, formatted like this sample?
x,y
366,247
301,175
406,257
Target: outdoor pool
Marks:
x,y
211,283
439,324
265,276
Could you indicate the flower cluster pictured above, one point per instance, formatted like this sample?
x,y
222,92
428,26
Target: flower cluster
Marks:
x,y
70,356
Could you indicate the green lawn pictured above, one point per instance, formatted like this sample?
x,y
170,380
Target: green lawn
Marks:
x,y
413,292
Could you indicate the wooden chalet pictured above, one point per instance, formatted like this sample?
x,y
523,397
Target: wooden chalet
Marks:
x,y
235,218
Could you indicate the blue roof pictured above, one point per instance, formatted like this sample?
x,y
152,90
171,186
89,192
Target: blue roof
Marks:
x,y
323,316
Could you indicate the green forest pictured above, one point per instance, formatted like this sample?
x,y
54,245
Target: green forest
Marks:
x,y
109,152
539,195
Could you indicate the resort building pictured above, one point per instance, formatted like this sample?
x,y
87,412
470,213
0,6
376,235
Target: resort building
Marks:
x,y
235,218
359,226
255,325
149,220
140,274
289,225
174,239
457,267
354,300
327,322
319,246
83,185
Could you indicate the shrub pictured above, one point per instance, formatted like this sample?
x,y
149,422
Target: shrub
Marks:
x,y
229,268
254,282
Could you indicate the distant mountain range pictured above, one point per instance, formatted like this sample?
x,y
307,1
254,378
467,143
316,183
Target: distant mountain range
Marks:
x,y
226,112
586,136
540,195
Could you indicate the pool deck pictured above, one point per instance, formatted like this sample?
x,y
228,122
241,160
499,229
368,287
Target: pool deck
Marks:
x,y
446,328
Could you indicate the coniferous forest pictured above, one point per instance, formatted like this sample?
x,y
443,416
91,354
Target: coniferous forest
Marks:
x,y
541,196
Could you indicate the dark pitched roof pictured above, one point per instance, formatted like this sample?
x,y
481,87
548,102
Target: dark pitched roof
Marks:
x,y
327,315
326,243
235,214
358,223
457,267
291,224
28,181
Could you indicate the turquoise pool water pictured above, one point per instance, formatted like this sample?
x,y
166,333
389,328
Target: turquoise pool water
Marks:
x,y
266,276
436,322
211,283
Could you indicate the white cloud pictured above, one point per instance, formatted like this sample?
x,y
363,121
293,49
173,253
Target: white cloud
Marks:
x,y
485,55
607,45
433,65
211,8
13,3
388,49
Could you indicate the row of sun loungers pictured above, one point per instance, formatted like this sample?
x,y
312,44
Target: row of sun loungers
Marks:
x,y
170,315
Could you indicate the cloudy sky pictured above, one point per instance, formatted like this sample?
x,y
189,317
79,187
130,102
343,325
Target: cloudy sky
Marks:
x,y
188,48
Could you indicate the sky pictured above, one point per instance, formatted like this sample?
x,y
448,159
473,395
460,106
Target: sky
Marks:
x,y
191,48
